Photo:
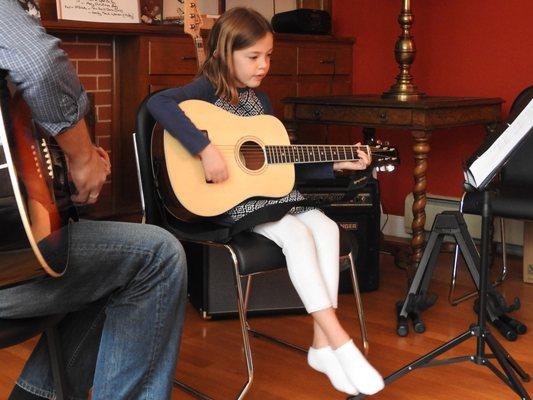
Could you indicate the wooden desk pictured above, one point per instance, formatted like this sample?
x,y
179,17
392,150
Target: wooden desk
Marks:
x,y
420,117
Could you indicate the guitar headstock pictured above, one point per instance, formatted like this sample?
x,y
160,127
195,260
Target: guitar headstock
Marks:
x,y
384,157
192,20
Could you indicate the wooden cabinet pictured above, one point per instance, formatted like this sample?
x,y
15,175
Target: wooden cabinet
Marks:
x,y
301,66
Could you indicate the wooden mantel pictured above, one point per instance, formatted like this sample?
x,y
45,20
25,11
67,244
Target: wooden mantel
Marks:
x,y
102,28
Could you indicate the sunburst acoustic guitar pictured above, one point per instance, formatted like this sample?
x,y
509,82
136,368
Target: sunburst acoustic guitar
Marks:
x,y
35,206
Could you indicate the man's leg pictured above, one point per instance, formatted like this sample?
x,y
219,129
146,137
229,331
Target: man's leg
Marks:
x,y
127,284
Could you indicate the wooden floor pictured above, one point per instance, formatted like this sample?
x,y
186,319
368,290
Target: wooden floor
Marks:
x,y
211,356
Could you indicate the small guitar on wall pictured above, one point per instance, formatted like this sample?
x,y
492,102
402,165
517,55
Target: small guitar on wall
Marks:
x,y
258,154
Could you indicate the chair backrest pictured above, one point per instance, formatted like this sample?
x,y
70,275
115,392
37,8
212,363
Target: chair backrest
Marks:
x,y
143,139
517,171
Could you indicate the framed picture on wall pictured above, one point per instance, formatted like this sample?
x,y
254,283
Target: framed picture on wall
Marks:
x,y
151,11
115,11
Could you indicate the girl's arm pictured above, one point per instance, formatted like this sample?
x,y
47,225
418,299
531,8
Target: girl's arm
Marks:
x,y
164,107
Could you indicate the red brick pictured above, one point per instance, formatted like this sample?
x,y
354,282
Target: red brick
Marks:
x,y
102,98
86,51
102,128
94,39
89,82
104,113
105,52
104,142
94,67
104,83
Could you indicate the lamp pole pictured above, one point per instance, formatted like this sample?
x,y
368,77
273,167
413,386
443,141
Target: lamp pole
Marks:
x,y
404,52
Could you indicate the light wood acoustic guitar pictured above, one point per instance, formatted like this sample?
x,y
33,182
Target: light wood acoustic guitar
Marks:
x,y
35,205
258,154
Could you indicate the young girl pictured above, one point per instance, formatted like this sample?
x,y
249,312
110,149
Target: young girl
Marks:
x,y
239,51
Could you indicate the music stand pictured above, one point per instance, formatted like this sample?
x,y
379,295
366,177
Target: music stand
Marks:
x,y
479,330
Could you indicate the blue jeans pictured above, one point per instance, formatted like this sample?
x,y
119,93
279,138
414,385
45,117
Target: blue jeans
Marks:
x,y
124,294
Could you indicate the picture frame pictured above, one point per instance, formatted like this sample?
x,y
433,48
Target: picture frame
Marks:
x,y
151,11
109,11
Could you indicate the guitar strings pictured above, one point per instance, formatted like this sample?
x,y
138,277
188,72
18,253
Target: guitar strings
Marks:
x,y
293,147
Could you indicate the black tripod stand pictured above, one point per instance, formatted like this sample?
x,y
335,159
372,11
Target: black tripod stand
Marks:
x,y
509,367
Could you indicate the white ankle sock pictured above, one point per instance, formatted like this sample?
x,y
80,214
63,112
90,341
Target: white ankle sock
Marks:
x,y
361,374
323,360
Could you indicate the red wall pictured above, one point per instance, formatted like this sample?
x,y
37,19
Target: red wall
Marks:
x,y
464,48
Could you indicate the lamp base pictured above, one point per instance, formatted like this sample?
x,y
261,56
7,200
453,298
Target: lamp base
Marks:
x,y
403,92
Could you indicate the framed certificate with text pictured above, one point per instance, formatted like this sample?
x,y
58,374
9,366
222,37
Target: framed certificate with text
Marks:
x,y
118,11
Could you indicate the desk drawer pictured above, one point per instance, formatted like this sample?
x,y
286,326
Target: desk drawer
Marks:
x,y
351,115
283,60
324,60
171,56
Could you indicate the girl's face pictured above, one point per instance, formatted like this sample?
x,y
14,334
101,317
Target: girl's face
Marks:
x,y
252,63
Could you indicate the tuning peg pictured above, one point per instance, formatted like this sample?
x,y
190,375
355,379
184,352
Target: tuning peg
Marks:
x,y
390,168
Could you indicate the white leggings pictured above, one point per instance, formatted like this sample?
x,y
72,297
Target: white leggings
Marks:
x,y
310,242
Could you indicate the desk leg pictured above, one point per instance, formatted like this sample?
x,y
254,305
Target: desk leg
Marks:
x,y
421,149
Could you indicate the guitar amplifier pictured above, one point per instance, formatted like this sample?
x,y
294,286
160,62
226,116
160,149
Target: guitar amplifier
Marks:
x,y
211,277
357,209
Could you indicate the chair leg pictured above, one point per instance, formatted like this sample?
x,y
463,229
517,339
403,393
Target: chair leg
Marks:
x,y
242,304
56,361
503,272
262,335
359,303
360,313
244,324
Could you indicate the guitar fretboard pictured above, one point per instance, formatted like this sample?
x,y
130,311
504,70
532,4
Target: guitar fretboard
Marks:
x,y
301,154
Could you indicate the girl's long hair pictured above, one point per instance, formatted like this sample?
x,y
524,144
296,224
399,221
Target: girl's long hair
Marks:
x,y
237,29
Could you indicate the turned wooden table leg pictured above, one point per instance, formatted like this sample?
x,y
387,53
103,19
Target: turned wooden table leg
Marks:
x,y
421,149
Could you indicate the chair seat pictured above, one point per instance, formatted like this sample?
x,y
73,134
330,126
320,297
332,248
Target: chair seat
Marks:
x,y
508,202
255,253
14,331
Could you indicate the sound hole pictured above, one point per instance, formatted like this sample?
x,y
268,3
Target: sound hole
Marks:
x,y
252,156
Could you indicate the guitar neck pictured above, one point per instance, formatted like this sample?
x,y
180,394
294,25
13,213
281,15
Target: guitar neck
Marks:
x,y
200,51
304,154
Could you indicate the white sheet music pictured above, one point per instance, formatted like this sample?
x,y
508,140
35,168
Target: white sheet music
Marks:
x,y
121,11
497,153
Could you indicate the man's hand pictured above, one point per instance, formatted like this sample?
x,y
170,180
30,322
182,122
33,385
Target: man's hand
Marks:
x,y
215,168
88,165
89,175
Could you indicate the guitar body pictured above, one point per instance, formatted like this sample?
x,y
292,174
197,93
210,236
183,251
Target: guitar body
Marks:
x,y
35,207
241,141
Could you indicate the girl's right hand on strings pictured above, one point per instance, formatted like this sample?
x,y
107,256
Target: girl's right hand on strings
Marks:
x,y
215,168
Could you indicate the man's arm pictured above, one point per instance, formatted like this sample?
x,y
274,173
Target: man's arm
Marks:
x,y
41,71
